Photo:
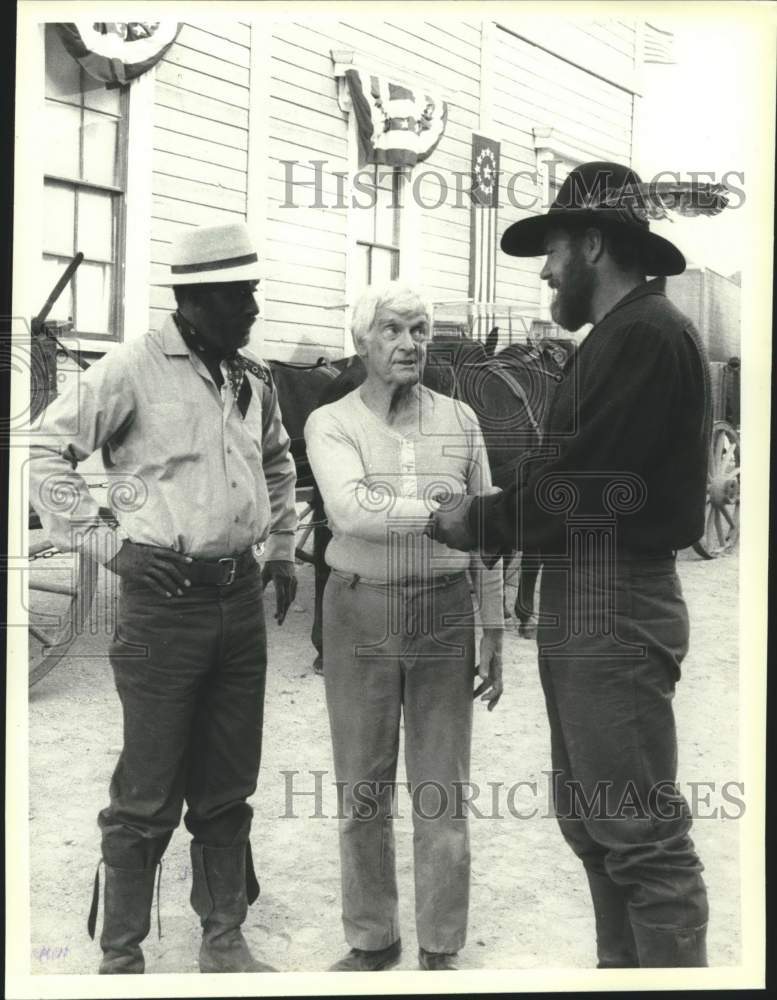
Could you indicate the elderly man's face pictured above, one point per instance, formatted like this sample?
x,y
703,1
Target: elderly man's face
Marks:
x,y
223,313
395,350
572,278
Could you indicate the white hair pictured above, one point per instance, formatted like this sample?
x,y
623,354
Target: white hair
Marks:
x,y
397,296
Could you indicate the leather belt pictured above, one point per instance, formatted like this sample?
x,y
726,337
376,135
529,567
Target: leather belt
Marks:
x,y
220,572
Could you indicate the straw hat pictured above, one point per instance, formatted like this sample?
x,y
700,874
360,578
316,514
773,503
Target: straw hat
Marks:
x,y
213,254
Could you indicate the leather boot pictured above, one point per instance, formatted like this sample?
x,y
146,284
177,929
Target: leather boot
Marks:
x,y
671,947
223,885
363,960
127,902
615,945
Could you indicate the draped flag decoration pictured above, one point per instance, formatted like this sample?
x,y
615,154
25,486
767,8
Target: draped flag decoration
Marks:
x,y
116,53
397,126
482,241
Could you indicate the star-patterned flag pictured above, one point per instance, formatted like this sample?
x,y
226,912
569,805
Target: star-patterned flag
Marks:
x,y
117,52
397,126
482,243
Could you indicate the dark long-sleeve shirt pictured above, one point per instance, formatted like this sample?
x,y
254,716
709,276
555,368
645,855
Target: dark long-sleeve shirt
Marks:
x,y
626,439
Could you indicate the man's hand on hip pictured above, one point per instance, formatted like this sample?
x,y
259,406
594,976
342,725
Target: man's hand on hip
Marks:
x,y
450,524
163,570
284,576
490,667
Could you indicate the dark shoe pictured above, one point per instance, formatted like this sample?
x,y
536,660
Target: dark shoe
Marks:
x,y
360,960
437,961
615,946
671,948
223,885
127,899
318,665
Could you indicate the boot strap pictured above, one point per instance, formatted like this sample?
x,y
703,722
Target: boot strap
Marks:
x,y
252,883
158,888
91,922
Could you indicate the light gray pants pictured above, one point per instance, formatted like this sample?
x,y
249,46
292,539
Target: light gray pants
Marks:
x,y
388,650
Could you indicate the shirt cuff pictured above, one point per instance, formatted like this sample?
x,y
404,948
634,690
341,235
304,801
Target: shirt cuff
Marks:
x,y
279,546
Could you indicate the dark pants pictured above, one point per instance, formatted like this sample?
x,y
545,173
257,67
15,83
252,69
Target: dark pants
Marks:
x,y
610,648
190,673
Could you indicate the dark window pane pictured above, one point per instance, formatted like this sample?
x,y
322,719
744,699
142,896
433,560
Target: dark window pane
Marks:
x,y
63,74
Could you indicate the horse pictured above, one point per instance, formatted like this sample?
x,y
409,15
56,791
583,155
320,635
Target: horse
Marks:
x,y
539,367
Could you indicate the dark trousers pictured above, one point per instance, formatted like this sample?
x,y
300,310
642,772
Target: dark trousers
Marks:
x,y
611,641
190,674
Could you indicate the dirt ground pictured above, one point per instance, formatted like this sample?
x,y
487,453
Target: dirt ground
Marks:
x,y
529,901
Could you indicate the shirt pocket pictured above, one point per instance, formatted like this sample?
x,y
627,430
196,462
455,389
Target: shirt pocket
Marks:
x,y
171,433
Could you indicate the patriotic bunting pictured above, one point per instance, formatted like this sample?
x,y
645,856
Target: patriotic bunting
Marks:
x,y
397,126
116,53
482,242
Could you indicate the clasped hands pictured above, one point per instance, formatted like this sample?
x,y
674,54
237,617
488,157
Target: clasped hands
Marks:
x,y
449,524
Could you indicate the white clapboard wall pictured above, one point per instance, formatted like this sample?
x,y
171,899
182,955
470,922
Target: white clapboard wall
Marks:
x,y
200,140
308,245
535,89
201,143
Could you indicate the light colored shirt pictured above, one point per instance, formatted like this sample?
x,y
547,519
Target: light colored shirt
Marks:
x,y
186,471
379,487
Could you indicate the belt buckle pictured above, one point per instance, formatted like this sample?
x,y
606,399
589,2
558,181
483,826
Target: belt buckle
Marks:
x,y
232,570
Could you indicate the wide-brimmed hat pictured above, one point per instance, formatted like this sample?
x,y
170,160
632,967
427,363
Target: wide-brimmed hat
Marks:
x,y
598,192
211,254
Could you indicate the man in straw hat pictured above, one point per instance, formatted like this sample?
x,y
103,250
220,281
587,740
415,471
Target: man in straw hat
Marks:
x,y
192,432
620,488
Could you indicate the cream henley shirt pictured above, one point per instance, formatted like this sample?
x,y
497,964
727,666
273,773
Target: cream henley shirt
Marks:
x,y
379,487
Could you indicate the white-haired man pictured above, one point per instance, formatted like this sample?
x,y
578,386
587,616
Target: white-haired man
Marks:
x,y
195,426
399,631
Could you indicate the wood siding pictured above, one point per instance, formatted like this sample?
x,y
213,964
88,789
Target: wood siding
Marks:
x,y
200,151
592,117
200,142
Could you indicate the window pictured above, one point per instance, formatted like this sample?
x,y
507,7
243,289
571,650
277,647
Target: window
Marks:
x,y
84,153
378,212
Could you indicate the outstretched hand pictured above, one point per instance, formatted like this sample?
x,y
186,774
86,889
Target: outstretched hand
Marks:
x,y
283,574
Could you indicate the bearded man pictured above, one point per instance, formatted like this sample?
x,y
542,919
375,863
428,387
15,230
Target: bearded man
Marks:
x,y
620,489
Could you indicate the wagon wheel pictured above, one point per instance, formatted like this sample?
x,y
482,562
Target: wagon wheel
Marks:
x,y
60,599
721,520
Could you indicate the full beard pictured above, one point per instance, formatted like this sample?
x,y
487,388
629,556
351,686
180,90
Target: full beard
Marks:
x,y
571,307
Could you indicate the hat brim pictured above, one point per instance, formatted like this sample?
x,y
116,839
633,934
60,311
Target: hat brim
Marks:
x,y
245,272
526,238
